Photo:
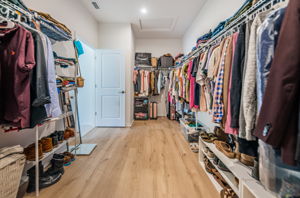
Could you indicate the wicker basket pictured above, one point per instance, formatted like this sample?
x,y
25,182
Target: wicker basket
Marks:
x,y
11,168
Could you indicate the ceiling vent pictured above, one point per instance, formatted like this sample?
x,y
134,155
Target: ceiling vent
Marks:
x,y
96,5
157,24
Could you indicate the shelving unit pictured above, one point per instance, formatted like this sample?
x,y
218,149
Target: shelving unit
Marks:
x,y
247,187
30,164
141,105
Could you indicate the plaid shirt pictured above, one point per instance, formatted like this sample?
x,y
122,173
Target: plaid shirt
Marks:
x,y
218,106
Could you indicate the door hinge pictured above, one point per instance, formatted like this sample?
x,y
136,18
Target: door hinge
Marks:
x,y
95,113
95,86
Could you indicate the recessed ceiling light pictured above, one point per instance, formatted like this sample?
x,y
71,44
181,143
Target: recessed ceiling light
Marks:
x,y
144,11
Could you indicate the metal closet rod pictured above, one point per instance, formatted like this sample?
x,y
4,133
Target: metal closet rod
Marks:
x,y
7,8
255,9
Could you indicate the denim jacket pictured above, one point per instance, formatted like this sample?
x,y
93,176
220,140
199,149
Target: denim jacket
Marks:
x,y
266,42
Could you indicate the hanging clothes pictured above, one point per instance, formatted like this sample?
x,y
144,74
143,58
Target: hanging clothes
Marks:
x,y
249,86
53,109
228,129
39,83
277,124
16,62
237,77
218,105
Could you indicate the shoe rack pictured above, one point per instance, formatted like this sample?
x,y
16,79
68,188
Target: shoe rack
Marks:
x,y
239,178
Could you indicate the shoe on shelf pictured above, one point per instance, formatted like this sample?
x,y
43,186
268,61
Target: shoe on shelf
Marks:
x,y
236,151
255,170
222,166
208,137
221,135
45,180
208,166
57,165
215,160
225,148
47,144
60,135
210,154
54,137
228,193
247,160
71,131
66,135
218,177
30,152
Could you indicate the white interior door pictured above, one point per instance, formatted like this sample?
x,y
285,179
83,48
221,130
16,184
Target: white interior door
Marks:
x,y
110,89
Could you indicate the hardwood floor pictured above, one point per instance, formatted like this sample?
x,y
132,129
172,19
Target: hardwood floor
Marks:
x,y
149,160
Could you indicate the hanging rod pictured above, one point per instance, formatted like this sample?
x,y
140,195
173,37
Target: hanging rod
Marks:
x,y
7,9
256,8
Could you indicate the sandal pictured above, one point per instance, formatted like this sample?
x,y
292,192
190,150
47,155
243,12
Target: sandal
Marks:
x,y
218,177
208,137
228,193
225,148
194,147
210,154
247,159
70,155
208,166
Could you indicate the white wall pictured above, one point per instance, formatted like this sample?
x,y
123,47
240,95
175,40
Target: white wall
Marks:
x,y
71,13
119,36
210,15
87,105
159,47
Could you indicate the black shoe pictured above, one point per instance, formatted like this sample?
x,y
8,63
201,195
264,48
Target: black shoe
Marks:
x,y
57,165
44,182
255,170
54,137
31,172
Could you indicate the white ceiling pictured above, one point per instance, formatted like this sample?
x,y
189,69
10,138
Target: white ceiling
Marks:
x,y
164,18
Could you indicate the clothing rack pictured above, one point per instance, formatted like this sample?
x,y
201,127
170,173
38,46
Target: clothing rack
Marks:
x,y
231,28
12,12
8,9
154,68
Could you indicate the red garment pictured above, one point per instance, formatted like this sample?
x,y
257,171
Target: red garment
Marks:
x,y
16,62
192,85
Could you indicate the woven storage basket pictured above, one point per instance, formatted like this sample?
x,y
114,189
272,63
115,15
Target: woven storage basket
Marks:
x,y
11,168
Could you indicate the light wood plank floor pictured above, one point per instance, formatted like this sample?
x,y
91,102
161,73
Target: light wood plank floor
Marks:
x,y
149,160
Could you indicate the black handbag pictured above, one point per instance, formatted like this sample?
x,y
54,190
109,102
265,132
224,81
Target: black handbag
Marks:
x,y
166,61
142,59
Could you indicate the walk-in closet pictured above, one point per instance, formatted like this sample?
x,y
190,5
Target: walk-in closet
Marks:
x,y
149,99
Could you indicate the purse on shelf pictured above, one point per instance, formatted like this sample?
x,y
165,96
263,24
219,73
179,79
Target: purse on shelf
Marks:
x,y
142,59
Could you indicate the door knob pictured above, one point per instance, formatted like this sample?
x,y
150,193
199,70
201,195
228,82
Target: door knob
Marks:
x,y
122,92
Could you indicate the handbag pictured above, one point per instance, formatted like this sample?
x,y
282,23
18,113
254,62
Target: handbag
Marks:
x,y
79,79
142,59
154,62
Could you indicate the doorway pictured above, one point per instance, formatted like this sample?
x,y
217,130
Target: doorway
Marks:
x,y
110,88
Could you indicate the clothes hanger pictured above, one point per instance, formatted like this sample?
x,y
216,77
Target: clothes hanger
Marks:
x,y
6,24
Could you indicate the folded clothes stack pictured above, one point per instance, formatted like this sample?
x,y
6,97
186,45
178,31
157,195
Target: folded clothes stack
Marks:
x,y
61,33
65,67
